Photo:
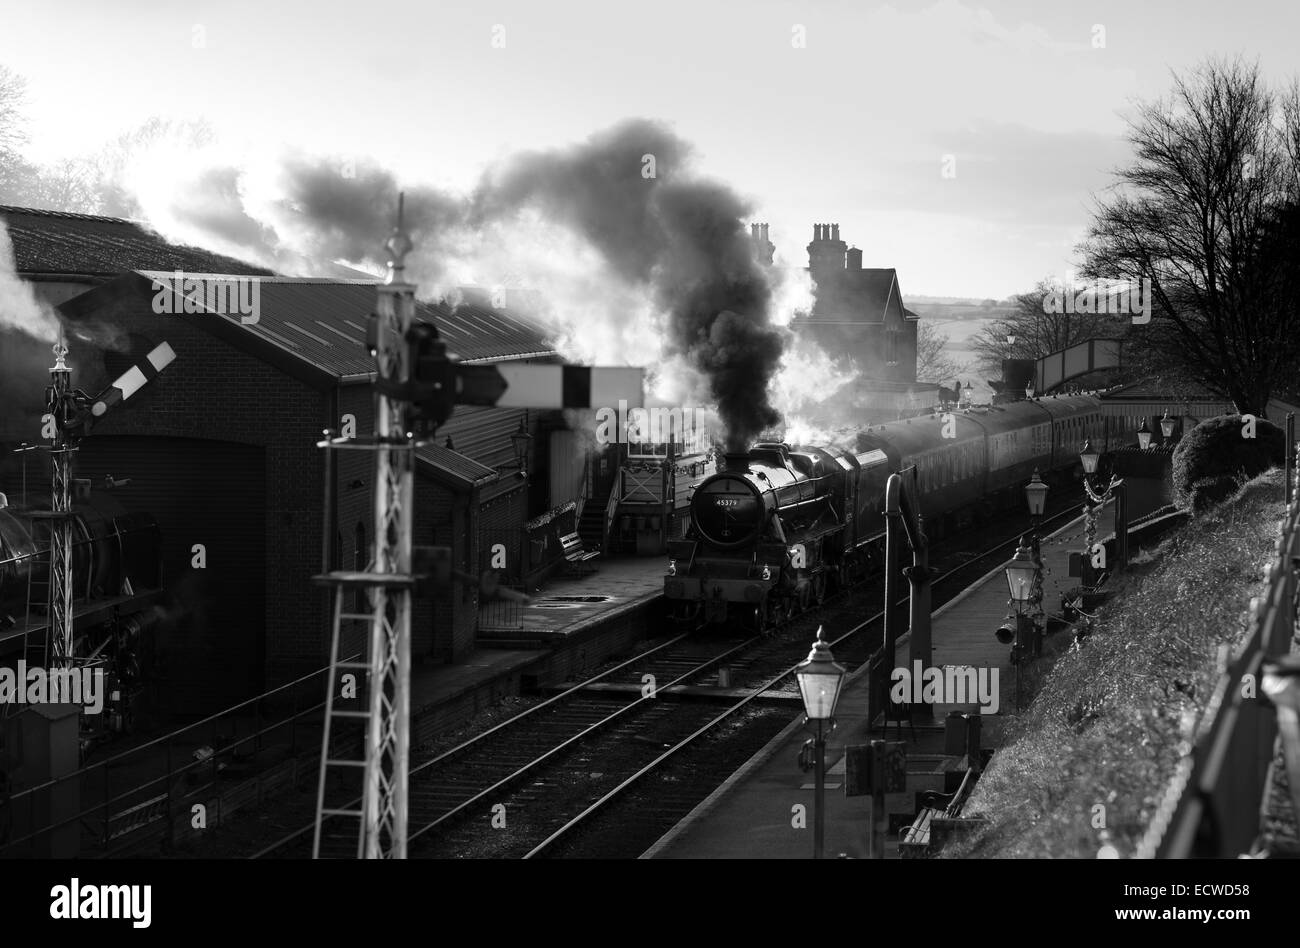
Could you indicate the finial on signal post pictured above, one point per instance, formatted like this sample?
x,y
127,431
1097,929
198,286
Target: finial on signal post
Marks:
x,y
398,245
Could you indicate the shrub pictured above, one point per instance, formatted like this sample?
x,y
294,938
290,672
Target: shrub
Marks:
x,y
1212,456
1209,491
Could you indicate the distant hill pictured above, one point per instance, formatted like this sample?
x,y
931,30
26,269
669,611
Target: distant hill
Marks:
x,y
937,307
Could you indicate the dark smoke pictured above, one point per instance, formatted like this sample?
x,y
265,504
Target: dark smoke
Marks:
x,y
351,215
680,237
672,238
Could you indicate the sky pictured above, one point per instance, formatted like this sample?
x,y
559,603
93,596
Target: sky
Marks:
x,y
1022,103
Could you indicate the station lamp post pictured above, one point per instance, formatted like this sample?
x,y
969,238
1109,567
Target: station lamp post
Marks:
x,y
1029,390
1036,497
521,441
1089,457
967,396
820,679
1144,435
1022,578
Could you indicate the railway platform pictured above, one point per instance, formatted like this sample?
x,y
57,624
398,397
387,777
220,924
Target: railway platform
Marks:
x,y
567,605
753,815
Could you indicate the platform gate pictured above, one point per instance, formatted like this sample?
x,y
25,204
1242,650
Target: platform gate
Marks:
x,y
497,613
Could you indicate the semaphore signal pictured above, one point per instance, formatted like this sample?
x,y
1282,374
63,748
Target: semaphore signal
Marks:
x,y
417,386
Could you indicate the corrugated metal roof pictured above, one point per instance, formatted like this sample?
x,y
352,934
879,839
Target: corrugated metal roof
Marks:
x,y
57,242
454,465
483,433
322,324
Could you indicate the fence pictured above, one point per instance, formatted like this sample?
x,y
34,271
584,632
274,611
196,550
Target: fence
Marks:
x,y
1211,807
229,760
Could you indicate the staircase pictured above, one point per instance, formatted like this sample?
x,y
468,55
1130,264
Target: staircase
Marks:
x,y
591,525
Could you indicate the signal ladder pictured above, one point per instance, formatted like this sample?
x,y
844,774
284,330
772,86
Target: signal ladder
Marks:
x,y
344,797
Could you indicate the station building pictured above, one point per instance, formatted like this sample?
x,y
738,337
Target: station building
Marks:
x,y
222,447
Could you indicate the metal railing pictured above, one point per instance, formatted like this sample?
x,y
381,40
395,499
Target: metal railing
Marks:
x,y
1211,807
155,785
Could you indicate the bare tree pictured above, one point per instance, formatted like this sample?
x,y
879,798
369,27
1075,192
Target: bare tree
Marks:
x,y
13,170
933,363
1207,212
1039,329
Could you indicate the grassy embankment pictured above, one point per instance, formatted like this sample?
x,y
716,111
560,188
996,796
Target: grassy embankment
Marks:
x,y
1109,721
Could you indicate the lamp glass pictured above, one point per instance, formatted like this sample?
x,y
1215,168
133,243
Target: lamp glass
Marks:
x,y
1036,494
819,680
1089,456
1144,440
1020,581
1167,426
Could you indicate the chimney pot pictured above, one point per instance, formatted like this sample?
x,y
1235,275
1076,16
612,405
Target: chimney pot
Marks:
x,y
835,232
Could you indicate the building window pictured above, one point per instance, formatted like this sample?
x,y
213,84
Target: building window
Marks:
x,y
891,347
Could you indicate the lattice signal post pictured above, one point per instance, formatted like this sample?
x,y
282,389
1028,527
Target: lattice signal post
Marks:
x,y
417,386
70,412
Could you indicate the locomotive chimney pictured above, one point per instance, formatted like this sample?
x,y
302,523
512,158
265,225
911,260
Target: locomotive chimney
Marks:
x,y
735,461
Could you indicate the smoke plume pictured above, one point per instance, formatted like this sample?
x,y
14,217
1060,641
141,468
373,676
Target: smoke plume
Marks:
x,y
613,244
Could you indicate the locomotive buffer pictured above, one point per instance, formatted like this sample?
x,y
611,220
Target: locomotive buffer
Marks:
x,y
417,386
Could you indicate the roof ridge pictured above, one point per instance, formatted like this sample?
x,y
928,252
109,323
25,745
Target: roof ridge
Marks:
x,y
72,215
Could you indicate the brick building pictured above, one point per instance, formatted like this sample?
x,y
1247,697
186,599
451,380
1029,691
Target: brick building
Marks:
x,y
221,448
858,318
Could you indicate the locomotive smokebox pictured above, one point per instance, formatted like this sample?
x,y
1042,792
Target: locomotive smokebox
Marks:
x,y
735,461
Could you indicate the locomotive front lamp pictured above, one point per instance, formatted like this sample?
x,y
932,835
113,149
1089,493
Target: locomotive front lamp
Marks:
x,y
819,679
1144,435
1036,494
1020,573
1167,425
1089,456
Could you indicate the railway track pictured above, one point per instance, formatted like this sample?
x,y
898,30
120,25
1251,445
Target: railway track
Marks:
x,y
572,775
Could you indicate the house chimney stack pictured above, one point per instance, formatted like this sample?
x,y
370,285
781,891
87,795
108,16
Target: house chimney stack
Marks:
x,y
855,258
826,252
764,249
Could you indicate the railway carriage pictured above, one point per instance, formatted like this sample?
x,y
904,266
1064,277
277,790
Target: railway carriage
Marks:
x,y
776,527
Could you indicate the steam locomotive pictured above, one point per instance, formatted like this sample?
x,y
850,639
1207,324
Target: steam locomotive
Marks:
x,y
116,572
779,527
